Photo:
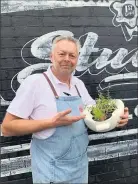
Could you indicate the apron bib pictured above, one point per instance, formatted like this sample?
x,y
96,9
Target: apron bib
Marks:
x,y
62,157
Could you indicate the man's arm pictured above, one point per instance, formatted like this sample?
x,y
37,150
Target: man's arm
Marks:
x,y
15,126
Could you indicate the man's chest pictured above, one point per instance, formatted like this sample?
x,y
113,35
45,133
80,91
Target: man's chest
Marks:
x,y
45,104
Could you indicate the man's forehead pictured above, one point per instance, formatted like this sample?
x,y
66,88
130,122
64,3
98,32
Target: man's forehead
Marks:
x,y
67,51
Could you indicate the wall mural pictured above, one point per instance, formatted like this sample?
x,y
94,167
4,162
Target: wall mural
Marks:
x,y
118,72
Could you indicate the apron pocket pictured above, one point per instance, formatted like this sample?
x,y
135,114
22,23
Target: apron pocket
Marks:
x,y
78,147
72,171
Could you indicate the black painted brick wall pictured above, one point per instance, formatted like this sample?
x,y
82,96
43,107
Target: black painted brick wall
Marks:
x,y
19,27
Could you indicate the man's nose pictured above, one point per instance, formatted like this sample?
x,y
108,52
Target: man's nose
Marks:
x,y
67,57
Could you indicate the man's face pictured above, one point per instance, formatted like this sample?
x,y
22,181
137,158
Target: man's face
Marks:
x,y
64,57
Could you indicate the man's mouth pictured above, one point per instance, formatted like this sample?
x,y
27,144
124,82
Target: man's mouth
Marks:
x,y
66,66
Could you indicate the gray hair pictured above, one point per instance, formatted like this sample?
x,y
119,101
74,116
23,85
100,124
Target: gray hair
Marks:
x,y
69,38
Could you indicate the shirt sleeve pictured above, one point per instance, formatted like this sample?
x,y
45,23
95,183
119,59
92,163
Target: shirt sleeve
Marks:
x,y
86,98
23,103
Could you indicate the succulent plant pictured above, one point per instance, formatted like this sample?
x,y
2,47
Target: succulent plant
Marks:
x,y
104,107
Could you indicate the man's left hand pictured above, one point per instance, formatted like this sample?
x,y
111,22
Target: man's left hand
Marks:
x,y
124,117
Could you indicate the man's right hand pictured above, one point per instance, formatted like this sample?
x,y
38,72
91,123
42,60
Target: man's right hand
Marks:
x,y
63,118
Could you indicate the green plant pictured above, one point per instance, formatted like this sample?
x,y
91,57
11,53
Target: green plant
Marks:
x,y
104,107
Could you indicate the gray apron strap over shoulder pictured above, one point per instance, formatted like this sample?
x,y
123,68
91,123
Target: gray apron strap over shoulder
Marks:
x,y
53,89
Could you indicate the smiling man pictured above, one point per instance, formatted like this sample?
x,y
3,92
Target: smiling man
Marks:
x,y
49,106
64,58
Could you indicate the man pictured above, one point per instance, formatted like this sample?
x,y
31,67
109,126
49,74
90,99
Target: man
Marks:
x,y
48,105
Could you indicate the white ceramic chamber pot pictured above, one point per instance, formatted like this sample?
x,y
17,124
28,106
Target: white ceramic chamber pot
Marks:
x,y
108,124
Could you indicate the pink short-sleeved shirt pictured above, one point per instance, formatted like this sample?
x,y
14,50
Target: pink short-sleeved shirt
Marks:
x,y
35,100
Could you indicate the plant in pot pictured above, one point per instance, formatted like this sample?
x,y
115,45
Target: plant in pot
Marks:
x,y
105,114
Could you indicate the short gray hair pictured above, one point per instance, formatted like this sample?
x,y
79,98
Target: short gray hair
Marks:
x,y
69,38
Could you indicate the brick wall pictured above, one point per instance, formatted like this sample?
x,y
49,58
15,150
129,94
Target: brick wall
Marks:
x,y
110,48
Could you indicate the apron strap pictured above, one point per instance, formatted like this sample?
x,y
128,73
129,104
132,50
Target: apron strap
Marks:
x,y
53,89
77,91
51,85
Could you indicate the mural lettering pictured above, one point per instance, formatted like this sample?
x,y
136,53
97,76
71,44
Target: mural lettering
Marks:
x,y
121,58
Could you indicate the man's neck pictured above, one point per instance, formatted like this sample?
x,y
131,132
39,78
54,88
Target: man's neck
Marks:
x,y
62,78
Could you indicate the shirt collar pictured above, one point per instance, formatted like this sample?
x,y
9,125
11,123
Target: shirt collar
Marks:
x,y
56,80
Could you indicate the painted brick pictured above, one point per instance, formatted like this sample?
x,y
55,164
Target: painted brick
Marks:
x,y
18,28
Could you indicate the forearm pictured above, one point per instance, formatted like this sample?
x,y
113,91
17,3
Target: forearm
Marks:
x,y
20,127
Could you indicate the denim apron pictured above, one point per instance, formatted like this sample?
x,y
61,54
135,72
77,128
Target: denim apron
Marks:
x,y
62,157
